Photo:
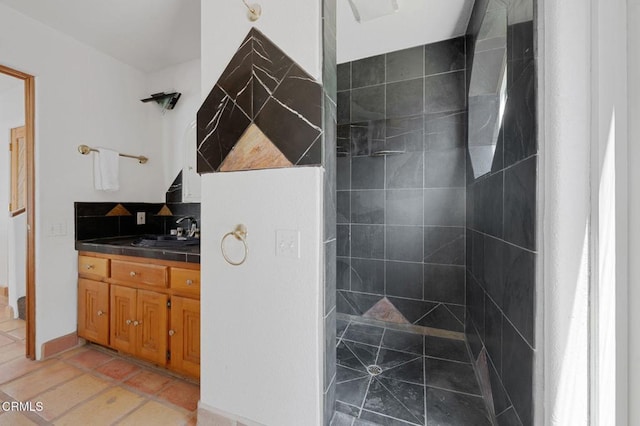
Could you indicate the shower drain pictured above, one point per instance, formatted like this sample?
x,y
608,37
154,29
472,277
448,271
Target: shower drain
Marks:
x,y
374,370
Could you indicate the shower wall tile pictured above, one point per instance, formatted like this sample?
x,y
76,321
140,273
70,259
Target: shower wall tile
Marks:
x,y
404,243
367,276
445,92
444,283
404,207
445,168
367,72
444,206
367,173
502,212
517,372
405,98
445,131
382,107
404,279
405,64
367,206
343,213
367,103
520,203
404,170
444,245
367,241
343,273
344,76
444,56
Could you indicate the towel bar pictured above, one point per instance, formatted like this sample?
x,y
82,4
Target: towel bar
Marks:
x,y
85,150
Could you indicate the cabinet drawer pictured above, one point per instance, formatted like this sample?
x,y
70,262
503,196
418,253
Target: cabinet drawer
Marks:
x,y
93,266
186,280
139,273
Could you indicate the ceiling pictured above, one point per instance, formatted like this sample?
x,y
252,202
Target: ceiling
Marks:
x,y
7,82
147,34
415,23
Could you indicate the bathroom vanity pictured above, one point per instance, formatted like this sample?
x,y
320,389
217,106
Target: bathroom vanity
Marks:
x,y
147,307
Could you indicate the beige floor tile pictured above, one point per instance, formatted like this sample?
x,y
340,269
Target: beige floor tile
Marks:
x,y
12,351
32,384
105,409
11,324
18,333
19,367
61,398
4,340
71,352
154,413
13,418
149,382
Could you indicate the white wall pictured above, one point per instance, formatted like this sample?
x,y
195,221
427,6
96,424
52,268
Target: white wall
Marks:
x,y
172,125
564,124
633,17
414,24
262,339
11,116
82,96
264,344
17,260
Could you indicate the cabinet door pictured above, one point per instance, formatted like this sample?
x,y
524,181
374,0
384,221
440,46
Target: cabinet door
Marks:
x,y
151,326
123,314
185,335
93,311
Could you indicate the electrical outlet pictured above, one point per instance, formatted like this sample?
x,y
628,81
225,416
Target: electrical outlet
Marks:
x,y
141,218
288,243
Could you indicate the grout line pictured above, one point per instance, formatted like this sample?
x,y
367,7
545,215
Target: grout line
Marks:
x,y
455,391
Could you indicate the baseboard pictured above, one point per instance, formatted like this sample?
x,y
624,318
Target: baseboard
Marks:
x,y
209,416
60,344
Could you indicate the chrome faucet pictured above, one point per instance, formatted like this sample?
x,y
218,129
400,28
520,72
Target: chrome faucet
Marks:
x,y
193,225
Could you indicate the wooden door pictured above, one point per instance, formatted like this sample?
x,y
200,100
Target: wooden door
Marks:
x,y
185,335
151,326
123,314
18,148
93,311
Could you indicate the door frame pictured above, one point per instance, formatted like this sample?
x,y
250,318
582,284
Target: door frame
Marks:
x,y
29,104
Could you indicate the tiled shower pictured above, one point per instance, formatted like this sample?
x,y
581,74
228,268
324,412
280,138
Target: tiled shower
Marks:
x,y
436,227
401,186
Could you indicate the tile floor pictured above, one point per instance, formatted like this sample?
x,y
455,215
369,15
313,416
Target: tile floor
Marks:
x,y
87,385
421,380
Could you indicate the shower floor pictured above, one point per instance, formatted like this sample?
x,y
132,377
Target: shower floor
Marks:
x,y
394,378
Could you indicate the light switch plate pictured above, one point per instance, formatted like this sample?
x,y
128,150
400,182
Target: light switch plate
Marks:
x,y
141,218
288,243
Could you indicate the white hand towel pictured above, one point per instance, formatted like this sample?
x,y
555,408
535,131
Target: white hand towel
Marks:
x,y
105,170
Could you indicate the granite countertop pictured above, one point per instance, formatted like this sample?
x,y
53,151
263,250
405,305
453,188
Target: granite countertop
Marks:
x,y
122,246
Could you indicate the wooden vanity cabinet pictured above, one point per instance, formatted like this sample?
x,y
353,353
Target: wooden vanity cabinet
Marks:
x,y
185,335
93,311
139,323
144,307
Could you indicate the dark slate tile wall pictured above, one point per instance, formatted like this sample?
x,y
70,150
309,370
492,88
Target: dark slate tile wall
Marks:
x,y
501,243
263,86
328,155
401,216
91,220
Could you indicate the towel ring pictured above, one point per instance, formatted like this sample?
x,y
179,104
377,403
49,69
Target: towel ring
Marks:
x,y
240,234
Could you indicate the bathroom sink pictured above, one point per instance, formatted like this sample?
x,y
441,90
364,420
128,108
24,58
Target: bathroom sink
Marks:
x,y
165,241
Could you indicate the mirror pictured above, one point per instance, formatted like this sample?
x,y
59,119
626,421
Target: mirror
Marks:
x,y
190,177
488,88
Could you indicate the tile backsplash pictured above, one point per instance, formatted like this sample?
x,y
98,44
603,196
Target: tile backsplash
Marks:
x,y
111,219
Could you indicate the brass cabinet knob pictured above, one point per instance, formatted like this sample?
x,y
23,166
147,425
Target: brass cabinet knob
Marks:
x,y
172,332
137,323
189,282
100,313
132,273
128,322
89,266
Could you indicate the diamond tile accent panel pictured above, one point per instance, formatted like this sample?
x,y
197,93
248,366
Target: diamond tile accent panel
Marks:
x,y
260,87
